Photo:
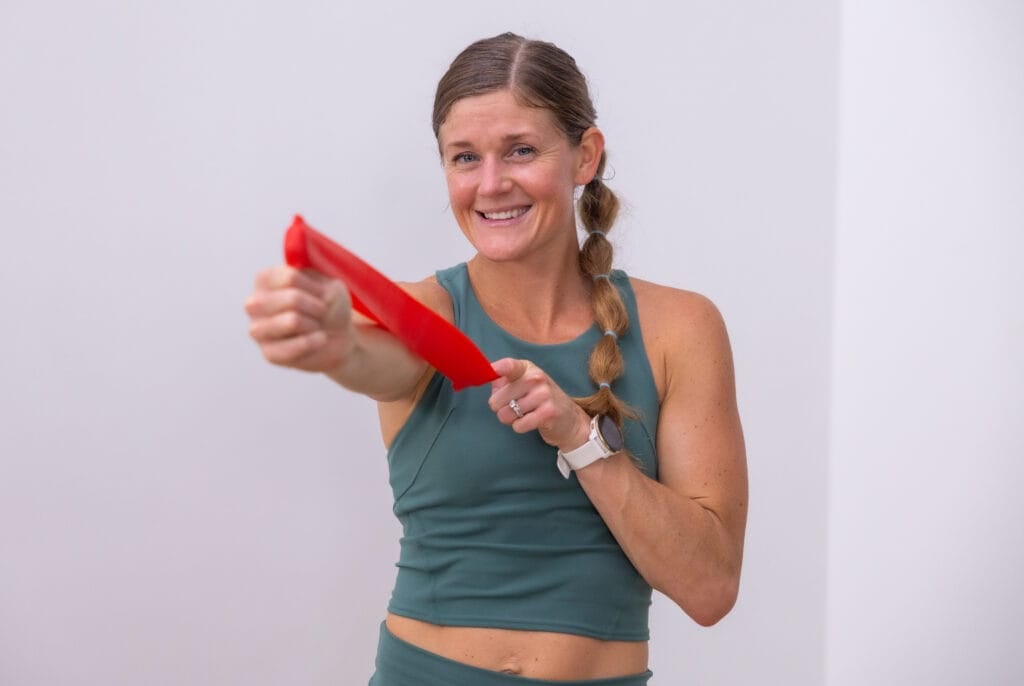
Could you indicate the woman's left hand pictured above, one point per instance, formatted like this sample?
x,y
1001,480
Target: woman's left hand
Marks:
x,y
544,406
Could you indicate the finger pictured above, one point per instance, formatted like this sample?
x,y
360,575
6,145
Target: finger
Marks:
x,y
531,403
290,351
507,413
510,368
335,293
506,416
519,424
501,397
525,424
283,325
283,276
318,277
505,389
498,384
271,302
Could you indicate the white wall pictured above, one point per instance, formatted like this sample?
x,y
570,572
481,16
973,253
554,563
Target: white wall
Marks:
x,y
172,509
926,542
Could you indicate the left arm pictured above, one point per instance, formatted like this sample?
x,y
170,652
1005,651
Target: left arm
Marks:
x,y
684,533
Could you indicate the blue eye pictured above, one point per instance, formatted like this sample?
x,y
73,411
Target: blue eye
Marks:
x,y
463,158
522,151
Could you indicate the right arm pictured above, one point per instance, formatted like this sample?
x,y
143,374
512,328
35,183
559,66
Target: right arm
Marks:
x,y
304,320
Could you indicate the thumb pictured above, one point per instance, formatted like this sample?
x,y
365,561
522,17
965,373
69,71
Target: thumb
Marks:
x,y
339,304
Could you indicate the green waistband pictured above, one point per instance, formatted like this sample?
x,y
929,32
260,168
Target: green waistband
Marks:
x,y
402,664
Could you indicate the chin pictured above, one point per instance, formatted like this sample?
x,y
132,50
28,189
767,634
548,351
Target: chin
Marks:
x,y
498,253
496,247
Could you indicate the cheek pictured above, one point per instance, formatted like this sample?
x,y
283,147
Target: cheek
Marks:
x,y
547,183
460,191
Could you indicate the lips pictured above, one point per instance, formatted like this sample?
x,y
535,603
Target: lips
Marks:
x,y
504,214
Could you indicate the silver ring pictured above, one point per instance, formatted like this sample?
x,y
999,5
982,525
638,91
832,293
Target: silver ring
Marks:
x,y
515,408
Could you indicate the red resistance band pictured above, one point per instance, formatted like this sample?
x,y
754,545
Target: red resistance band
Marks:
x,y
423,331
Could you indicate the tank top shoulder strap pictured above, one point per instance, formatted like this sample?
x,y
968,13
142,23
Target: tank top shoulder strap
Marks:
x,y
625,288
455,280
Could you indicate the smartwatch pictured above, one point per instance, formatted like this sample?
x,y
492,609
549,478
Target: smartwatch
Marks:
x,y
604,441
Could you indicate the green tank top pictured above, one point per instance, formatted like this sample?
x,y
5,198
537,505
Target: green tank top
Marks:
x,y
493,536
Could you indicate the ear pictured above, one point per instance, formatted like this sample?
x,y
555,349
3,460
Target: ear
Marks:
x,y
590,148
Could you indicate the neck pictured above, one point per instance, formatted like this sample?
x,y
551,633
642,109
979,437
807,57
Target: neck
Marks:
x,y
545,301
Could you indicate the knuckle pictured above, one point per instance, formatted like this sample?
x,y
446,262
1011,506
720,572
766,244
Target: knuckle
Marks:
x,y
293,298
534,375
545,414
288,276
298,347
314,342
291,321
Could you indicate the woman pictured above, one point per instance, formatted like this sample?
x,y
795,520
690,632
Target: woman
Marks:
x,y
607,459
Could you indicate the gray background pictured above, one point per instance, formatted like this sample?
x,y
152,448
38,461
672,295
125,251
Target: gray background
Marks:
x,y
842,178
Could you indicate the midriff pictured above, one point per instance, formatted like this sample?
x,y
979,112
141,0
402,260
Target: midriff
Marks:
x,y
533,654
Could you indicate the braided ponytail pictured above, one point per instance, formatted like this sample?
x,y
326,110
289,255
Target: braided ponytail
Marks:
x,y
598,208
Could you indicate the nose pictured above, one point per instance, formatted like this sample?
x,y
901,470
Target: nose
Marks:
x,y
493,179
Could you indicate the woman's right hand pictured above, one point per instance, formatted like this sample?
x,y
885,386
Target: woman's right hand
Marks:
x,y
301,319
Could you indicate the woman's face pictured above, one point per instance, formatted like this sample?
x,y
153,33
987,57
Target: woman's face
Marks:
x,y
511,173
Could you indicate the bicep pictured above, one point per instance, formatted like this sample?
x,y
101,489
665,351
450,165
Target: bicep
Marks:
x,y
701,453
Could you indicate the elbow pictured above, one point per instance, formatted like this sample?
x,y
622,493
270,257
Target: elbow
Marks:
x,y
710,602
711,614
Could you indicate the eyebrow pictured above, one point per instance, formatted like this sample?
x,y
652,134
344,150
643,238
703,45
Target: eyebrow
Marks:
x,y
504,139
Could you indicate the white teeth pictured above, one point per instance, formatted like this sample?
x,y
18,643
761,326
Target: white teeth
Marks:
x,y
507,214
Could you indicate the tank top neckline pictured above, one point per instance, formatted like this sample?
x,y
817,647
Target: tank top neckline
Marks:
x,y
472,301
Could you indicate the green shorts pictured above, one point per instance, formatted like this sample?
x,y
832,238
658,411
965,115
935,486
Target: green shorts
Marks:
x,y
402,664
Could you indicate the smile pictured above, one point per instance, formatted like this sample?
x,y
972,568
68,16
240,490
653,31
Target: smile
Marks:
x,y
505,214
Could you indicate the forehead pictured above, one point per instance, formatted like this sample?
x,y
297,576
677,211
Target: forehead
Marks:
x,y
497,115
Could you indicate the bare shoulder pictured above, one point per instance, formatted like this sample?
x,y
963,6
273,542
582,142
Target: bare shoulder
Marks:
x,y
432,294
660,304
676,315
681,329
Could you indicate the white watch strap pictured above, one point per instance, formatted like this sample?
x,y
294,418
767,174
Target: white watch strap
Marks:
x,y
588,453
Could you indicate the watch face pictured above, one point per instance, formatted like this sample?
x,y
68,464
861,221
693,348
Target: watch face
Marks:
x,y
610,432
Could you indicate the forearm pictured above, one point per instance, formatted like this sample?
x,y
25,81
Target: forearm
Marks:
x,y
680,547
377,365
